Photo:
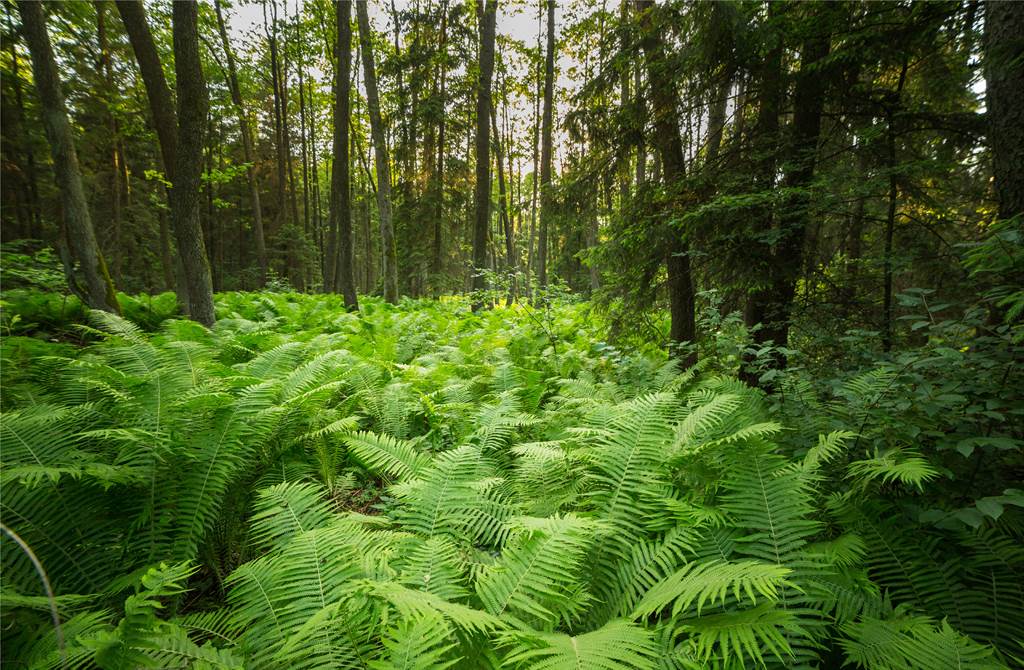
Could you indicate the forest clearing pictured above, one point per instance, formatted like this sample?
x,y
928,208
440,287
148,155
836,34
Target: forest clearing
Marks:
x,y
444,334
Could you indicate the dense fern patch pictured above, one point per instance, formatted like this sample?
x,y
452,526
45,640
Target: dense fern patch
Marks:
x,y
422,487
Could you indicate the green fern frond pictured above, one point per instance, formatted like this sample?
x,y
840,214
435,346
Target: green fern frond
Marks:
x,y
713,583
537,575
383,454
618,645
896,465
734,637
907,642
417,643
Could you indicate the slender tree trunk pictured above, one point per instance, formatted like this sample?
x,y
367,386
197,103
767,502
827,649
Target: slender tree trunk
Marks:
x,y
341,206
890,220
530,263
670,144
546,196
304,151
98,292
787,260
389,265
161,107
14,130
192,110
506,220
275,78
1004,76
247,147
482,191
438,195
106,75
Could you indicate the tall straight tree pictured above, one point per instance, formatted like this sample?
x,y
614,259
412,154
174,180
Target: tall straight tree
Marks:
x,y
247,146
1004,74
546,196
341,205
98,292
161,107
389,263
670,144
192,107
482,192
437,186
787,258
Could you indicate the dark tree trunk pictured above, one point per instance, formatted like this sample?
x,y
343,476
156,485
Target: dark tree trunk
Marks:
x,y
98,292
794,214
389,266
161,107
482,191
670,144
14,124
890,219
766,138
1004,74
506,220
341,205
247,148
275,78
531,243
192,109
116,205
546,196
438,176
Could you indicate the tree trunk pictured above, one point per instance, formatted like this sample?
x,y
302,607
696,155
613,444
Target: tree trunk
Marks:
x,y
341,205
546,196
270,29
438,195
161,107
506,221
389,264
890,220
787,260
98,292
247,147
482,191
536,167
14,130
106,76
192,109
1004,75
670,144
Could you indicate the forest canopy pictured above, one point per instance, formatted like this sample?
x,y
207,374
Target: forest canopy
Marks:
x,y
523,334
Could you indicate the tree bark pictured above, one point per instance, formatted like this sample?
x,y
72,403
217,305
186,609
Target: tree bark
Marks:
x,y
673,161
438,188
546,196
247,147
389,264
192,109
341,205
793,216
482,191
1004,75
161,106
98,292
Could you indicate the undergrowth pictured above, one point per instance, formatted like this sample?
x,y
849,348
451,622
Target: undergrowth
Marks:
x,y
425,487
